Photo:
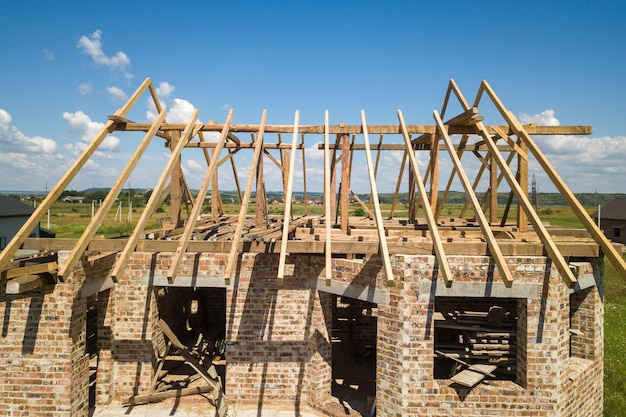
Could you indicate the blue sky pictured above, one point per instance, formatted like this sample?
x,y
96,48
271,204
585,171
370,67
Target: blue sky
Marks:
x,y
66,65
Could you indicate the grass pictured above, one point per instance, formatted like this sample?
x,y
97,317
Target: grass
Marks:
x,y
614,343
70,220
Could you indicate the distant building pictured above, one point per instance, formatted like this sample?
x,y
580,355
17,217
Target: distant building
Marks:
x,y
613,220
13,214
77,199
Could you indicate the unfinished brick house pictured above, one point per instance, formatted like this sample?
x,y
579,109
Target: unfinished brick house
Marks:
x,y
401,311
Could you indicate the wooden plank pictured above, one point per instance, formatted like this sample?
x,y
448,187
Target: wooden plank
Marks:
x,y
246,199
151,206
430,218
25,283
287,214
195,211
327,203
609,250
357,129
345,182
494,249
96,221
29,270
163,395
467,378
374,192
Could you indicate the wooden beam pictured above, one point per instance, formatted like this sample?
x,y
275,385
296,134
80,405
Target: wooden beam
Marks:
x,y
26,283
494,249
551,248
29,270
246,199
374,192
287,214
109,200
11,248
197,207
327,203
345,183
154,199
154,397
609,250
357,129
440,253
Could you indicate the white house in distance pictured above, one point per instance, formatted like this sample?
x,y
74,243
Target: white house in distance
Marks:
x,y
13,214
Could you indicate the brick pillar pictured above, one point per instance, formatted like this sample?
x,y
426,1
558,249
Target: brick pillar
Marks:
x,y
105,358
319,369
547,348
135,315
404,357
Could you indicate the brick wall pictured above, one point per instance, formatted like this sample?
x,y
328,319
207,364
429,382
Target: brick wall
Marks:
x,y
278,337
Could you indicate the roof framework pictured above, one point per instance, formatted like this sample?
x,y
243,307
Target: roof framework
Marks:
x,y
503,152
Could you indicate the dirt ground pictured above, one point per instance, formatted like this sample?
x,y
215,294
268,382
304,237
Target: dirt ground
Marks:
x,y
171,408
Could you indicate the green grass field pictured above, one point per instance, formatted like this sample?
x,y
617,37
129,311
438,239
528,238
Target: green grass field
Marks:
x,y
70,220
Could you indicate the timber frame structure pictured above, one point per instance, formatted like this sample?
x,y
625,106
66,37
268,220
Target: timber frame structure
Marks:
x,y
482,231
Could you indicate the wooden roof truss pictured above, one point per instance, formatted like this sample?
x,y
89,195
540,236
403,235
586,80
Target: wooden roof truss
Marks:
x,y
502,150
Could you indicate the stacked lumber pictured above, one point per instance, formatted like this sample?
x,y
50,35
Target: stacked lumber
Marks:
x,y
479,338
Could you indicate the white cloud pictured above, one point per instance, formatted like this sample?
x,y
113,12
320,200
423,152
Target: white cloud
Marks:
x,y
545,118
13,140
164,90
180,111
92,46
86,130
85,88
117,93
47,55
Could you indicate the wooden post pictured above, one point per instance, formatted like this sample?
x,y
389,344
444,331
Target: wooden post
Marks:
x,y
175,182
327,203
345,182
522,174
493,187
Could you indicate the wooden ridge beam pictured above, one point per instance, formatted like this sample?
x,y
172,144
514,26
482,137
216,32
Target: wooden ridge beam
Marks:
x,y
357,129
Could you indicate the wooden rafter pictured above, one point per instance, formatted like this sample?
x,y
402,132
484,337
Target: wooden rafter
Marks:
x,y
494,249
615,258
440,253
384,250
287,213
197,206
151,206
10,249
244,204
109,200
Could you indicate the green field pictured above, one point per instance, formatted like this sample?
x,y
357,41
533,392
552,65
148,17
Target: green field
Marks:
x,y
69,220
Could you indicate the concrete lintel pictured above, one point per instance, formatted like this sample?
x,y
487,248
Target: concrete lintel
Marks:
x,y
583,282
159,280
355,291
483,289
96,286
